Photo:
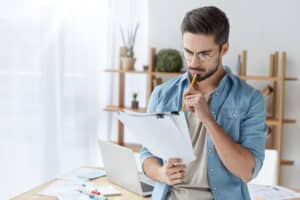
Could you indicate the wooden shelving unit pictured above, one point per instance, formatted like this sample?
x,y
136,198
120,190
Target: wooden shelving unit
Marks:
x,y
150,74
276,120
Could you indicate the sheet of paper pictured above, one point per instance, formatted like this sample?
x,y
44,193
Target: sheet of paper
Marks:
x,y
181,122
65,190
266,192
166,137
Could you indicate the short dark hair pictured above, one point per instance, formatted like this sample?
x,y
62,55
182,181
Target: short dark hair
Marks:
x,y
208,20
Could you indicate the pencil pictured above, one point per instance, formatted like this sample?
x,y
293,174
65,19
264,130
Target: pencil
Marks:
x,y
191,85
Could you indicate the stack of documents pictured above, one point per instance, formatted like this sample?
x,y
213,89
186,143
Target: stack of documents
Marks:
x,y
166,135
269,192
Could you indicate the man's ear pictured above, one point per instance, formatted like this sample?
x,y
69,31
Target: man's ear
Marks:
x,y
225,48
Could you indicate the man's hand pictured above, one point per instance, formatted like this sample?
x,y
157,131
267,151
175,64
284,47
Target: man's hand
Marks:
x,y
195,102
172,172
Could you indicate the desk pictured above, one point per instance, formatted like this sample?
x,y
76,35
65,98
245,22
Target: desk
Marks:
x,y
33,194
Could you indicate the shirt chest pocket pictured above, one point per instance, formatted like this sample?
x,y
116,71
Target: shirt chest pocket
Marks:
x,y
230,119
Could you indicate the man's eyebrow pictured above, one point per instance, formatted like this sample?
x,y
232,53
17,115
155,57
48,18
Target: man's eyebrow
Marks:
x,y
204,51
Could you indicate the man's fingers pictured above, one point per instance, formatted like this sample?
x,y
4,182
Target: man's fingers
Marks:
x,y
176,169
191,103
176,178
194,96
174,161
178,175
191,109
189,92
176,181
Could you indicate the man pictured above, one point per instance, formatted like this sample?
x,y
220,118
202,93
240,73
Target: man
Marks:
x,y
226,118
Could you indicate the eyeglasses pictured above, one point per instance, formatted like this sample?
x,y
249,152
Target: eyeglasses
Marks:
x,y
202,56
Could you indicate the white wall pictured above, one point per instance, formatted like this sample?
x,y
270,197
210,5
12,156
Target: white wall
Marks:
x,y
261,27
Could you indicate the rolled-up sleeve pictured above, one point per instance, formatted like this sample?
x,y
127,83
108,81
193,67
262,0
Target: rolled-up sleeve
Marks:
x,y
144,154
254,130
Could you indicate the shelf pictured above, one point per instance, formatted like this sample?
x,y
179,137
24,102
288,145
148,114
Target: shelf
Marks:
x,y
272,121
122,71
267,78
290,121
287,162
112,108
167,73
291,79
145,72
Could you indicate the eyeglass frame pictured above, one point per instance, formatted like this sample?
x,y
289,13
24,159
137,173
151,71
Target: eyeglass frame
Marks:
x,y
198,54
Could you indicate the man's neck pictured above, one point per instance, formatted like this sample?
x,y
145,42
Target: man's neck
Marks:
x,y
208,85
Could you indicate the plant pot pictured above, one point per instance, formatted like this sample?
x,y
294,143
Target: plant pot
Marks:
x,y
127,63
134,104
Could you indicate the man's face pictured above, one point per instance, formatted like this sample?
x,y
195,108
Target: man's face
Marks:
x,y
202,54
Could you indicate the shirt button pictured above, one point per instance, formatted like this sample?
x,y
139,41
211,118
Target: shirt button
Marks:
x,y
214,188
209,150
211,169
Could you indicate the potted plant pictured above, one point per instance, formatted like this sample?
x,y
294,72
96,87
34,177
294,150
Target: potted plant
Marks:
x,y
168,60
134,102
127,55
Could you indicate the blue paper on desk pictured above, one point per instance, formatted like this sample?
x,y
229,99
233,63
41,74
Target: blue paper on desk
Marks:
x,y
91,174
84,174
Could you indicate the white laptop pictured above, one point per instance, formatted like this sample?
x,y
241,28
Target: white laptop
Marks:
x,y
121,168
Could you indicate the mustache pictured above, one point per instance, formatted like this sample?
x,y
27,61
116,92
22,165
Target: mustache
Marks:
x,y
197,69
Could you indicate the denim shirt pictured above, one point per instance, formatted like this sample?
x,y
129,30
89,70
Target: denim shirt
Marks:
x,y
239,109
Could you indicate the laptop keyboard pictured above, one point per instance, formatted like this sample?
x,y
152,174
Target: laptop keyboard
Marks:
x,y
146,187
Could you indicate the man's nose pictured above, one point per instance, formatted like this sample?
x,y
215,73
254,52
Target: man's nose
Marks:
x,y
195,61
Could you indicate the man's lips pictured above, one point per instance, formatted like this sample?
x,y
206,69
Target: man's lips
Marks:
x,y
196,70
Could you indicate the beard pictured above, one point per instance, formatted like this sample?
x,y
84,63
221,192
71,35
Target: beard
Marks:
x,y
205,76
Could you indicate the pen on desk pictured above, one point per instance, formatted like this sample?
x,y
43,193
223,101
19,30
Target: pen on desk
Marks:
x,y
191,85
95,195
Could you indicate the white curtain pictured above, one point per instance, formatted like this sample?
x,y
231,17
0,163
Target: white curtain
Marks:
x,y
52,54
